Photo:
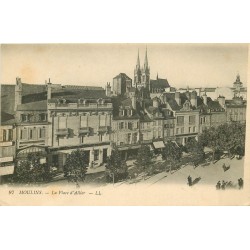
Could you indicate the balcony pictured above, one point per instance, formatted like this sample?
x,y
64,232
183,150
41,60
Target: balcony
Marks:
x,y
84,130
103,129
95,106
87,106
146,141
6,143
62,132
6,159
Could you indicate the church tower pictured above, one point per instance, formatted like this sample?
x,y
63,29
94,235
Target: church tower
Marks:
x,y
142,75
137,72
145,73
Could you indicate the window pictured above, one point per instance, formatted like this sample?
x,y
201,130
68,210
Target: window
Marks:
x,y
25,118
168,132
128,138
41,132
189,129
30,133
4,135
194,129
130,125
100,137
96,155
177,130
10,135
43,117
182,130
121,125
102,120
135,138
23,134
192,119
180,120
84,121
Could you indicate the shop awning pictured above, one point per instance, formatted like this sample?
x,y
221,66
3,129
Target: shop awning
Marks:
x,y
7,170
158,144
66,151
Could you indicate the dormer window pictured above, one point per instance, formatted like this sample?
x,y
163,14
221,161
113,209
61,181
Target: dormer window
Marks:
x,y
100,101
81,101
130,112
61,101
43,117
25,117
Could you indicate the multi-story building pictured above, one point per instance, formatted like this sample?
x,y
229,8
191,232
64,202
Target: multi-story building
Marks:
x,y
31,120
79,118
125,126
236,110
212,112
7,144
121,84
169,125
184,110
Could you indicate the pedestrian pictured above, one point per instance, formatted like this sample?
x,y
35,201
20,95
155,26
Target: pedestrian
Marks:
x,y
240,183
189,181
223,185
218,185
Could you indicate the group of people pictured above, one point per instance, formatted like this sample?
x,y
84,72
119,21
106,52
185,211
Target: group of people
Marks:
x,y
228,184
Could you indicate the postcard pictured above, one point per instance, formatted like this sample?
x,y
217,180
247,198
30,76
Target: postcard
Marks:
x,y
124,124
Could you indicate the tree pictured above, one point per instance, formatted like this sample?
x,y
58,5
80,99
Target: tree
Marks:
x,y
75,167
228,137
116,168
172,154
197,151
31,170
232,137
144,160
210,138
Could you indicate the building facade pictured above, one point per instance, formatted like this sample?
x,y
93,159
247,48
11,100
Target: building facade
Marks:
x,y
80,120
7,145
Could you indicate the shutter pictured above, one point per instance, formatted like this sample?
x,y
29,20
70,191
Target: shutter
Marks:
x,y
102,120
1,135
62,122
84,121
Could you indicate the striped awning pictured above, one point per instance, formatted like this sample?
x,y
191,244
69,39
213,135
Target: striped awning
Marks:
x,y
158,144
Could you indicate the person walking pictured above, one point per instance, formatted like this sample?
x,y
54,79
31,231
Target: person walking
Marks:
x,y
240,183
218,185
189,181
223,185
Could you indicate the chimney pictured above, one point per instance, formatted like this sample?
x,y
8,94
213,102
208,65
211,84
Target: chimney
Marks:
x,y
108,89
221,100
48,85
155,102
18,92
177,98
204,98
194,99
133,100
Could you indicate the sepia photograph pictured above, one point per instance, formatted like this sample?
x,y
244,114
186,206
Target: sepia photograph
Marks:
x,y
87,124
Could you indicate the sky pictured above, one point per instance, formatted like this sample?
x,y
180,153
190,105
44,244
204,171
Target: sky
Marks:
x,y
193,65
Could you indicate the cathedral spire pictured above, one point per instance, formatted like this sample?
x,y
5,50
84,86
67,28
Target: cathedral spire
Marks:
x,y
146,60
138,61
